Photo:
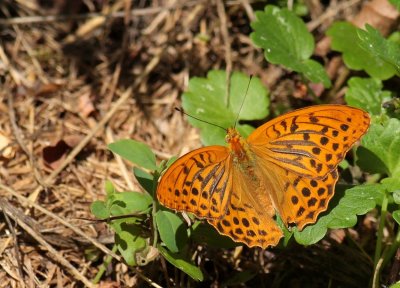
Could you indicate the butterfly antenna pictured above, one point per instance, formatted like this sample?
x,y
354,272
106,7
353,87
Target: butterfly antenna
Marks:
x,y
198,119
241,105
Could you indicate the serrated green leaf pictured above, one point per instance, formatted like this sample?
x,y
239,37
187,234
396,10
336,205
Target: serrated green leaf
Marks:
x,y
128,240
384,142
99,210
135,152
205,99
126,203
172,229
205,233
356,201
373,42
181,263
286,41
367,94
345,39
145,179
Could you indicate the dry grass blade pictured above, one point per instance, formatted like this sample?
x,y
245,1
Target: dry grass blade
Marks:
x,y
28,202
54,254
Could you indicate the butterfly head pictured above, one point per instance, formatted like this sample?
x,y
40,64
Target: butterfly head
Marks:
x,y
237,143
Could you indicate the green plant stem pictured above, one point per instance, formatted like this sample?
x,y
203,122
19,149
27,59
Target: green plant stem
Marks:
x,y
155,231
154,209
392,250
378,248
103,267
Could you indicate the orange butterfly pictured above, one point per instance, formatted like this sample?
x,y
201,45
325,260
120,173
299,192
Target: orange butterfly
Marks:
x,y
288,166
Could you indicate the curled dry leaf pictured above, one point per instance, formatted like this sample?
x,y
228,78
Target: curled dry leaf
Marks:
x,y
6,150
46,89
85,105
54,155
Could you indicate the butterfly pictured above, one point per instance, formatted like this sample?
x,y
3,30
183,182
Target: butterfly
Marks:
x,y
287,166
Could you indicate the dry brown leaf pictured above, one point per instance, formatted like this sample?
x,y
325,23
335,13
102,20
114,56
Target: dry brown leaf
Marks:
x,y
6,150
85,105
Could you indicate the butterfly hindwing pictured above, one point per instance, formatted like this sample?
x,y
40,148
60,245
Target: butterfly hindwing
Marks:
x,y
198,182
249,216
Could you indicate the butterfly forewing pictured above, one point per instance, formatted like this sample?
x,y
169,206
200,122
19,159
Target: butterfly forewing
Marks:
x,y
312,141
198,182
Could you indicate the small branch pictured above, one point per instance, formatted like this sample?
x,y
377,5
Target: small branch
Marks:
x,y
228,54
53,252
62,18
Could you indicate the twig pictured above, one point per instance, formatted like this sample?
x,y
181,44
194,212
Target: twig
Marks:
x,y
329,13
79,232
249,9
53,253
148,280
228,54
17,134
6,207
120,14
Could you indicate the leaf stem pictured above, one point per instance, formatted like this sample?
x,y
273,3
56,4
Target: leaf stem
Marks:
x,y
103,267
393,248
378,248
154,208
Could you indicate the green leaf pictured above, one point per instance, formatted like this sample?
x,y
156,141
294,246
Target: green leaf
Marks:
x,y
373,42
396,216
109,187
356,201
367,94
135,152
205,99
145,179
370,162
99,210
345,39
314,71
172,229
286,41
287,232
396,3
130,202
205,233
128,240
384,142
391,184
181,263
396,285
396,196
